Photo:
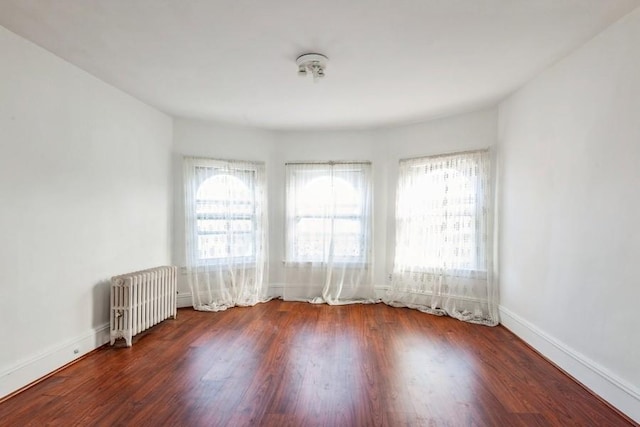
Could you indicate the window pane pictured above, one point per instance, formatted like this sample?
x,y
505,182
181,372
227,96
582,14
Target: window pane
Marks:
x,y
242,245
310,248
313,226
218,246
347,246
212,246
241,225
312,238
208,226
327,196
347,226
223,187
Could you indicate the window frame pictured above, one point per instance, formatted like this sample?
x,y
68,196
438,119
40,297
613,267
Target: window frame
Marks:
x,y
326,169
479,268
213,168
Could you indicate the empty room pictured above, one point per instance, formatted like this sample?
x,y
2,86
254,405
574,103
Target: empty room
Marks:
x,y
337,213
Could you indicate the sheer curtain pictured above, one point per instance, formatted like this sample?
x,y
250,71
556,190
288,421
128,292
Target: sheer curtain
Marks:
x,y
444,261
328,233
226,233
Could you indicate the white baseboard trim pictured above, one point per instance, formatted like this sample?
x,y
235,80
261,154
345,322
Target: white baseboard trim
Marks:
x,y
276,290
184,300
43,363
613,389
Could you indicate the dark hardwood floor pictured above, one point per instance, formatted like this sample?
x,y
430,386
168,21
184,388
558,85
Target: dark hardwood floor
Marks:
x,y
298,364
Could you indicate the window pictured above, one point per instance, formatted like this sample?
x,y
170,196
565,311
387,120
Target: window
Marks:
x,y
223,201
225,212
328,212
440,213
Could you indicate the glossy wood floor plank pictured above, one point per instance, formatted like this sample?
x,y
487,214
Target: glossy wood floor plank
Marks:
x,y
299,364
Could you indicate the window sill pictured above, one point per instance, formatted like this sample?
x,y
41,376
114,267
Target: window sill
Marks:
x,y
226,262
347,264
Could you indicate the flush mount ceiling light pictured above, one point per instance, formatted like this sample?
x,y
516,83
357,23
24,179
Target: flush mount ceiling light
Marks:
x,y
314,63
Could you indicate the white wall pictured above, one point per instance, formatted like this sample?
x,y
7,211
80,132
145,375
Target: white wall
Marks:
x,y
84,195
570,148
382,147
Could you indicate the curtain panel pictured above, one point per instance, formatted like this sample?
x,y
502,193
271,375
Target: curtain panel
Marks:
x,y
444,261
226,233
328,243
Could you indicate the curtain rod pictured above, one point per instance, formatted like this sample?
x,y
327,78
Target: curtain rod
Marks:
x,y
213,159
328,163
453,153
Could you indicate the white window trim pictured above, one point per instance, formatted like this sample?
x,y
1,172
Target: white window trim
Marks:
x,y
221,166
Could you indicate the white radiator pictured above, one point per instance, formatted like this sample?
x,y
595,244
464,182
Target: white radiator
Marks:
x,y
140,300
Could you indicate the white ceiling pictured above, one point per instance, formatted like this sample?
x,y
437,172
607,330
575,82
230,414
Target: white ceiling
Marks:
x,y
390,61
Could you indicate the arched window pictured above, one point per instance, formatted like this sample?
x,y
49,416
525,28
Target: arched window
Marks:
x,y
440,213
328,212
225,209
225,216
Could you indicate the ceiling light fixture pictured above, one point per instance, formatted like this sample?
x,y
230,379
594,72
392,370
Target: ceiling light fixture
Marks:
x,y
314,63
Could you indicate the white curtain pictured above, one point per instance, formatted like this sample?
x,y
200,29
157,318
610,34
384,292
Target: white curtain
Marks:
x,y
226,233
444,261
328,233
